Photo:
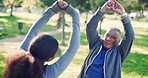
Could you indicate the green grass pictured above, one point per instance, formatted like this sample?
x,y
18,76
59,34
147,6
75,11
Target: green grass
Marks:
x,y
135,66
137,63
1,64
10,24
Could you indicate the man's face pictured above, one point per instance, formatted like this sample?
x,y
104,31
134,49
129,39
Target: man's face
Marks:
x,y
111,38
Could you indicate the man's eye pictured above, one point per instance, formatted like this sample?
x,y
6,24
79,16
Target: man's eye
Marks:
x,y
107,35
113,37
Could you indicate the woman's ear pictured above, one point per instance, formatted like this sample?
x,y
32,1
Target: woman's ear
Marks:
x,y
51,58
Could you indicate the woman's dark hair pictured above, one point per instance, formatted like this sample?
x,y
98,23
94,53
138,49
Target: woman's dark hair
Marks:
x,y
43,47
23,65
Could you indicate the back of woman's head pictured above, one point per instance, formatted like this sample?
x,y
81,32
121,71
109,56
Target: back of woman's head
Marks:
x,y
23,65
43,47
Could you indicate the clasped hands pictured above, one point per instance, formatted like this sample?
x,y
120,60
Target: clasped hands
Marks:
x,y
113,5
62,4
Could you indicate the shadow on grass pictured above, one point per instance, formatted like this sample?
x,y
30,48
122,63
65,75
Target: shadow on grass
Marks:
x,y
141,40
10,18
137,63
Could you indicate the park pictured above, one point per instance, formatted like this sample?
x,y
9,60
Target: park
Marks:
x,y
135,66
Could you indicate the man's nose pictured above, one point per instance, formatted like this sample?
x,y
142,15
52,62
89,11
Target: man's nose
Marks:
x,y
108,38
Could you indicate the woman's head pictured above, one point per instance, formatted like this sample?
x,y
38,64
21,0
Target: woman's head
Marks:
x,y
43,47
22,65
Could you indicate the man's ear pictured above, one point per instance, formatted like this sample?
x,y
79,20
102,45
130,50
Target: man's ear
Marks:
x,y
118,41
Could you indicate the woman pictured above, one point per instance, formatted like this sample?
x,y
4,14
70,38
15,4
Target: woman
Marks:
x,y
43,48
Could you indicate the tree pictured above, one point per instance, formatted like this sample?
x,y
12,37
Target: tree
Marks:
x,y
135,5
145,3
32,4
47,2
63,28
144,6
10,4
1,2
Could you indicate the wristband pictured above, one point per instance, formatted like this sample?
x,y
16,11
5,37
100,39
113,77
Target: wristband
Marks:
x,y
101,10
123,14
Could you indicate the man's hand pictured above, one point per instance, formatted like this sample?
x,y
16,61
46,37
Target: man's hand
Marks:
x,y
62,4
118,8
109,5
113,5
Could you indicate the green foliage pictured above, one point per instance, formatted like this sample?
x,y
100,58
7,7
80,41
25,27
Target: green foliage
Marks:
x,y
1,1
47,2
82,5
145,3
32,4
134,5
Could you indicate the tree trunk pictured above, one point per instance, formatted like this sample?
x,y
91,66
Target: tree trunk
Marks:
x,y
100,30
59,19
11,10
28,8
11,6
86,17
63,28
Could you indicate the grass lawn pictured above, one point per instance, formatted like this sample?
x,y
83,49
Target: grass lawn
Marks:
x,y
135,66
10,24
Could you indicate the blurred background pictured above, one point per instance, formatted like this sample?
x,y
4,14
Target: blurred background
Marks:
x,y
17,16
